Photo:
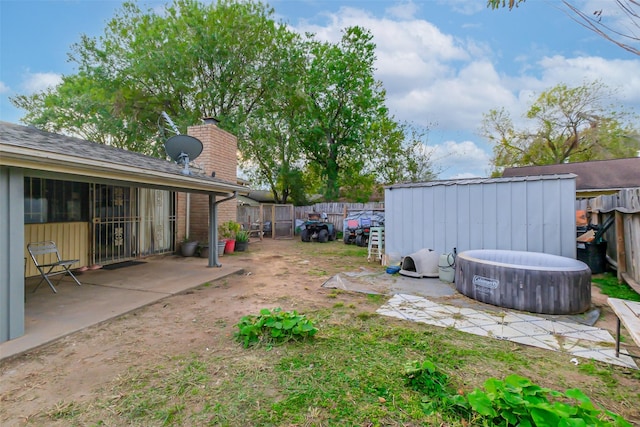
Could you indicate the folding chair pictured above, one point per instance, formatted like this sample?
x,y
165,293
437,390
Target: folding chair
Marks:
x,y
41,254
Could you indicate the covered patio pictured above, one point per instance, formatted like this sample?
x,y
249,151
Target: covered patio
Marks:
x,y
106,294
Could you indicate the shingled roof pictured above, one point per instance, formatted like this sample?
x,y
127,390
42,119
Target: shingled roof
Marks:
x,y
599,175
31,148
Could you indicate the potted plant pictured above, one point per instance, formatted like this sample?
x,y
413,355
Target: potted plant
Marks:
x,y
188,247
228,230
203,249
242,240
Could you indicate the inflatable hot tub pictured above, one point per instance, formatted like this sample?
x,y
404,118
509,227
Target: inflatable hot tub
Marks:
x,y
527,281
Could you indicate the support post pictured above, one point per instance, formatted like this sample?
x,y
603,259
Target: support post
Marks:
x,y
620,247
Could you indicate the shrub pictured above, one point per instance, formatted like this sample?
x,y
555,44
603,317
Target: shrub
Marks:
x,y
274,327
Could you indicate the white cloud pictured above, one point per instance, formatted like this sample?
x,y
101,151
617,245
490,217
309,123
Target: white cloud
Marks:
x,y
4,88
621,75
37,82
457,102
403,11
466,7
460,159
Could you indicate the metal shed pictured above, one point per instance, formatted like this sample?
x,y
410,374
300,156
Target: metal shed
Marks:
x,y
533,213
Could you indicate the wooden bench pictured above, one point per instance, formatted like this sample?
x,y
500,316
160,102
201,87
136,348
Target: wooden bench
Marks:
x,y
628,314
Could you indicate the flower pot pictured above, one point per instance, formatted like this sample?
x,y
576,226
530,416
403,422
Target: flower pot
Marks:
x,y
188,248
221,245
204,251
241,246
229,246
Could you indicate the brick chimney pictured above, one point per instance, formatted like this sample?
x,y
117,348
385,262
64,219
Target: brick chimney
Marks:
x,y
219,155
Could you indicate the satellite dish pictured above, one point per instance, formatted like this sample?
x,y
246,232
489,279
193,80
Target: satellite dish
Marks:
x,y
183,149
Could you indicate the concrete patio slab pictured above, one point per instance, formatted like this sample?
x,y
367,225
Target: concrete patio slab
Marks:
x,y
106,294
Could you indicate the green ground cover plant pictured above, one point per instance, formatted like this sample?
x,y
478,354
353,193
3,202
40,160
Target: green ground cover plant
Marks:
x,y
609,285
274,327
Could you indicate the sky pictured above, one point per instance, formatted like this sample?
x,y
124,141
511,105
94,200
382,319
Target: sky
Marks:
x,y
443,63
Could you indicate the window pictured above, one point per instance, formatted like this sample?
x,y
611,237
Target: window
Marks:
x,y
48,200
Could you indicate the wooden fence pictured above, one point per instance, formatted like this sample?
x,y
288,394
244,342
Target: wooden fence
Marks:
x,y
336,212
280,217
623,249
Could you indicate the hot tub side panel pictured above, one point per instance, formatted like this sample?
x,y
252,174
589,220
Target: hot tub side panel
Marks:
x,y
535,291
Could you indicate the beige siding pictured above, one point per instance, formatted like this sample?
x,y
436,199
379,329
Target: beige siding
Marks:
x,y
71,238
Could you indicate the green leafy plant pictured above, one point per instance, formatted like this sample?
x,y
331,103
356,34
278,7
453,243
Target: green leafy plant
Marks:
x,y
242,236
517,401
274,327
440,396
229,229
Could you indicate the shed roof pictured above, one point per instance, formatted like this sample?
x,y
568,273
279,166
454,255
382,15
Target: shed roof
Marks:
x,y
595,175
51,154
472,181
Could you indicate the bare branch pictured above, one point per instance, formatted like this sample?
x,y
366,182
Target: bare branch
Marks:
x,y
631,9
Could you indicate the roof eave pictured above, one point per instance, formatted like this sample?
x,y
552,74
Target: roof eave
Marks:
x,y
21,157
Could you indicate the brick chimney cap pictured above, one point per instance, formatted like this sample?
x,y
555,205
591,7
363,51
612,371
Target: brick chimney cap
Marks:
x,y
210,121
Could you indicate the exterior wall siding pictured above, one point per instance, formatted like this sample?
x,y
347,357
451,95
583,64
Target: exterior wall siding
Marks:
x,y
532,214
72,240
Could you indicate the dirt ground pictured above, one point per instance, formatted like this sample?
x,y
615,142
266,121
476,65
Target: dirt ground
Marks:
x,y
278,274
75,368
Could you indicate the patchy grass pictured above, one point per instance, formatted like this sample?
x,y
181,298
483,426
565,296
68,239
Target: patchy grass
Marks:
x,y
350,374
609,285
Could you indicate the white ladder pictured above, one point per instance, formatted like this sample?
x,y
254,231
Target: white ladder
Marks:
x,y
376,243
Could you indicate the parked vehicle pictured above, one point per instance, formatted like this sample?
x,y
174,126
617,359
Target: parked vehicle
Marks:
x,y
357,226
316,228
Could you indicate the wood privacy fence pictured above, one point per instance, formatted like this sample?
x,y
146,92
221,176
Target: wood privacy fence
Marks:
x,y
269,220
336,212
623,248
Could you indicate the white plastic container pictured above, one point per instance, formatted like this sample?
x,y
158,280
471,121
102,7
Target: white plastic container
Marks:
x,y
447,267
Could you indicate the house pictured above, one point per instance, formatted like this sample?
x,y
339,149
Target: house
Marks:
x,y
593,178
102,204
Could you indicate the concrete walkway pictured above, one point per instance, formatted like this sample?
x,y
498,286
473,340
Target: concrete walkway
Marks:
x,y
106,294
572,338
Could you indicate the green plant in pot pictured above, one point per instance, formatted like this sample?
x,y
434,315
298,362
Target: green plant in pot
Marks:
x,y
242,240
227,231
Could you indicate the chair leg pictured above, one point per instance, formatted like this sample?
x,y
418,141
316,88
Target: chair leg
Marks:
x,y
45,276
39,283
73,276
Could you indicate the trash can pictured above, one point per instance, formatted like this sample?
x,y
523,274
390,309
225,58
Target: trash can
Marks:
x,y
594,254
447,267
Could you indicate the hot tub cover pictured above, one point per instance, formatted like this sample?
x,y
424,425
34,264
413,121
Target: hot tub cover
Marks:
x,y
423,263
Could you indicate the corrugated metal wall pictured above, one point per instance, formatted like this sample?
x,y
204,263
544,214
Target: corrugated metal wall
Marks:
x,y
71,238
527,214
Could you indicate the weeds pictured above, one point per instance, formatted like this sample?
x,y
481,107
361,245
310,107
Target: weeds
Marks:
x,y
274,327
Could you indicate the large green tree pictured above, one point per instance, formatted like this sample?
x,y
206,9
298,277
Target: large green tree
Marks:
x,y
193,60
343,101
307,113
567,124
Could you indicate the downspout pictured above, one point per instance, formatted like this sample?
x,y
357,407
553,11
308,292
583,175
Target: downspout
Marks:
x,y
188,214
213,228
